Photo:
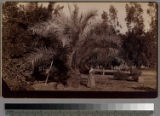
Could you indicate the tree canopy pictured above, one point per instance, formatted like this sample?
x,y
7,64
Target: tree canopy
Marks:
x,y
78,40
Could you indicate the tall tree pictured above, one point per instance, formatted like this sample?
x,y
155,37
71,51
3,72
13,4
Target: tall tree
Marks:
x,y
113,18
140,46
134,17
15,23
70,30
152,34
134,43
103,44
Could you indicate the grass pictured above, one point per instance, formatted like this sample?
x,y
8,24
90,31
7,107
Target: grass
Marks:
x,y
106,83
17,71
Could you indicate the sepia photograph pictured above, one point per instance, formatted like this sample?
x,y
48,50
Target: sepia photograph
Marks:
x,y
79,49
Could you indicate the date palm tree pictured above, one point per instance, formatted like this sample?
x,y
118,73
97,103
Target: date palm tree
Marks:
x,y
70,30
99,49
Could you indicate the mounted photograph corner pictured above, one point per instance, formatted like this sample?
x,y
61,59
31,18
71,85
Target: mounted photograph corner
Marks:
x,y
80,49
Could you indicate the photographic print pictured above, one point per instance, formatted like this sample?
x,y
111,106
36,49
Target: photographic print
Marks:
x,y
76,110
79,49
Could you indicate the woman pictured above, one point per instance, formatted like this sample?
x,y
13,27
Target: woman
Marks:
x,y
91,79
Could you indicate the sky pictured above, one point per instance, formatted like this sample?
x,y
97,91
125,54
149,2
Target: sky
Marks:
x,y
104,6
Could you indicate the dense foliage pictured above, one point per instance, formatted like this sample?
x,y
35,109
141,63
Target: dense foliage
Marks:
x,y
75,42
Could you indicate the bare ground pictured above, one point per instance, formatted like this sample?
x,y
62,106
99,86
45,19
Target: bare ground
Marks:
x,y
16,71
105,83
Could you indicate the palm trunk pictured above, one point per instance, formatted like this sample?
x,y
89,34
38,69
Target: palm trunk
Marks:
x,y
72,65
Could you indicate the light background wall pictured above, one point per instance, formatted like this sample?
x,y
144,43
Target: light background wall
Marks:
x,y
156,101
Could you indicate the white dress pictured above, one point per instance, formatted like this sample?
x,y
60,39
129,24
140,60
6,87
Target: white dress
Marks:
x,y
91,79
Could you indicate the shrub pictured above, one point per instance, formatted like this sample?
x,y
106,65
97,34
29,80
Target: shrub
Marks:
x,y
133,76
120,76
18,85
135,73
41,61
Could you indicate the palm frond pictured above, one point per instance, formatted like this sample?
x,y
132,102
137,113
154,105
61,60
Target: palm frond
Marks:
x,y
87,17
41,56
